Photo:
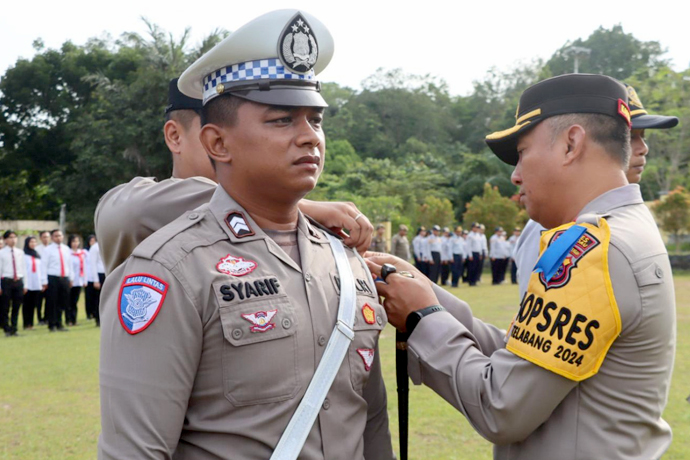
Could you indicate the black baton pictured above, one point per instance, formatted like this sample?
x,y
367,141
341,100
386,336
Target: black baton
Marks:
x,y
403,383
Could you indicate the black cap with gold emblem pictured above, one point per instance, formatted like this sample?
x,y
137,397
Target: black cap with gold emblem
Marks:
x,y
571,93
272,60
643,120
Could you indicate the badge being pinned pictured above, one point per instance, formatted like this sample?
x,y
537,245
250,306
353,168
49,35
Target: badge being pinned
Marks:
x,y
367,355
369,314
140,300
261,320
235,266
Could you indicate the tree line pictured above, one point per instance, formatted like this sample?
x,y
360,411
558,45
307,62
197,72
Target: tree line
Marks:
x,y
78,120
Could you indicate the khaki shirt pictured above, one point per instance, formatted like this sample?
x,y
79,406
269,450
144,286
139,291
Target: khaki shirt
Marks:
x,y
400,246
532,413
201,382
127,214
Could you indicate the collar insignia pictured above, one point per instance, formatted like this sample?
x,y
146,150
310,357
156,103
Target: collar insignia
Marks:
x,y
297,47
235,266
140,300
367,355
238,225
261,320
369,314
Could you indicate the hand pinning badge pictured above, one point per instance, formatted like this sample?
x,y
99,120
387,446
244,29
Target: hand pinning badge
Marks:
x,y
388,269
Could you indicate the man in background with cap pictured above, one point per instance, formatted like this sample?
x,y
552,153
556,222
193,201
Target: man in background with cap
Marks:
x,y
527,247
584,370
127,214
378,242
400,246
219,326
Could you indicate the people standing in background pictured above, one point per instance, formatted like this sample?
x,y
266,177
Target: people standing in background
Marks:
x,y
446,255
485,251
41,246
474,251
91,277
378,242
32,282
56,278
12,271
79,272
493,250
434,256
513,244
458,251
417,249
400,247
97,268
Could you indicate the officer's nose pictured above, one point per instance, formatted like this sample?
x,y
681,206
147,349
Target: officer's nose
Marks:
x,y
309,134
516,176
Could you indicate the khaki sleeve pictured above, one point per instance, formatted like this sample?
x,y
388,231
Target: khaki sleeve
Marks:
x,y
146,378
503,396
377,436
129,213
488,337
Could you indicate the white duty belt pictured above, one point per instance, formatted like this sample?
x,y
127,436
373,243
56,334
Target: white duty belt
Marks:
x,y
295,435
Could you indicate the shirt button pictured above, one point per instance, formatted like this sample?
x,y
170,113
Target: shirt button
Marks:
x,y
286,323
236,333
326,404
379,320
192,216
659,272
322,340
307,277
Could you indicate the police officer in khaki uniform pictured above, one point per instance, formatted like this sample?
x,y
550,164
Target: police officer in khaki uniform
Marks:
x,y
130,212
213,329
583,372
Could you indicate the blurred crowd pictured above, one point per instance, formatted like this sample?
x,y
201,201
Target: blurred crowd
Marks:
x,y
45,280
451,257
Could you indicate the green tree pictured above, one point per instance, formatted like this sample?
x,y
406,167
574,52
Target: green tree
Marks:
x,y
435,211
674,213
492,209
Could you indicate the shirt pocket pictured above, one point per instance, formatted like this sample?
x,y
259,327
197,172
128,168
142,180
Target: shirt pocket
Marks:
x,y
370,319
259,351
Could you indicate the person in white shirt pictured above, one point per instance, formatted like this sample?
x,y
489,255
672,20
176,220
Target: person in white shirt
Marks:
x,y
457,243
90,292
493,250
485,251
44,236
32,282
79,270
434,254
474,243
513,244
12,271
446,255
56,278
417,249
97,268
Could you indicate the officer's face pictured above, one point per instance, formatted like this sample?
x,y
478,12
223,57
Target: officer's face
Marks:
x,y
536,173
57,237
637,159
276,151
45,238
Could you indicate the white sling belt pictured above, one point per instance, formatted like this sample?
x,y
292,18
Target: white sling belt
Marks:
x,y
295,435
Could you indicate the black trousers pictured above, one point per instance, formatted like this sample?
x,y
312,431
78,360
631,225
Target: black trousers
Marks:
x,y
71,313
435,268
445,272
474,268
41,306
12,292
501,270
457,269
57,300
513,271
97,300
89,293
31,302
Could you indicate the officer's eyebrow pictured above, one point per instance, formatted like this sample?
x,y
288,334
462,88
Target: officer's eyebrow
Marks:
x,y
290,109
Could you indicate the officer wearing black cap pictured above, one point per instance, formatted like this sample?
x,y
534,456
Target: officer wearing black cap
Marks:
x,y
583,371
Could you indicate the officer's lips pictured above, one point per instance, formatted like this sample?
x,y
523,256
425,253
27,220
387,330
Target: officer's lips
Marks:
x,y
309,161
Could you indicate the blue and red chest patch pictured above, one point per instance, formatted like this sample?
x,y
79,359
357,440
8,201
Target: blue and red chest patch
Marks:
x,y
140,300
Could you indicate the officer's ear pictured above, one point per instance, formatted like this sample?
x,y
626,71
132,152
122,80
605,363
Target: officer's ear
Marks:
x,y
574,137
212,137
172,134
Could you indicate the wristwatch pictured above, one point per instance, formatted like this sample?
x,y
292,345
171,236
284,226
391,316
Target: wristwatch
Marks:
x,y
416,316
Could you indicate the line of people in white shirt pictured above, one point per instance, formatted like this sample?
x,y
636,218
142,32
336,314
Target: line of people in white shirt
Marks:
x,y
52,272
451,257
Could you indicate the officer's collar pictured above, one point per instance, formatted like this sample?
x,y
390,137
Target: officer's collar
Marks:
x,y
238,224
617,198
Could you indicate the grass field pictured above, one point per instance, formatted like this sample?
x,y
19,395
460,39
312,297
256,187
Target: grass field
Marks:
x,y
49,405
